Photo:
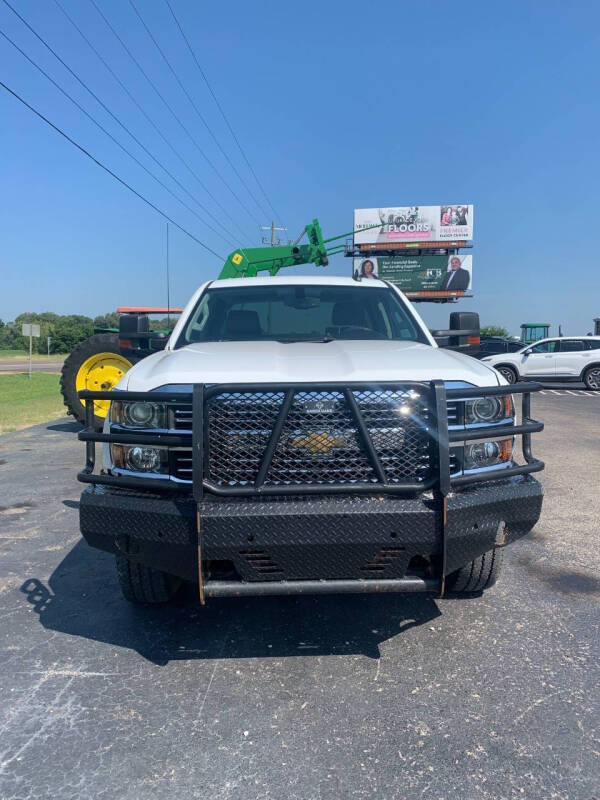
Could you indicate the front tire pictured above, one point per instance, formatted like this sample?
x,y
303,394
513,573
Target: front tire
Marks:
x,y
591,378
508,373
478,575
142,584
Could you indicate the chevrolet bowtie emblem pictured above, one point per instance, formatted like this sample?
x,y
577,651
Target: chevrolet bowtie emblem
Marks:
x,y
318,442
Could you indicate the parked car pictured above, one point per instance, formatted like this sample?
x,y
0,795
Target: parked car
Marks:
x,y
568,358
492,345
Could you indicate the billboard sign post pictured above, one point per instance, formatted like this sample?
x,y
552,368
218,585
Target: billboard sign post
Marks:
x,y
31,331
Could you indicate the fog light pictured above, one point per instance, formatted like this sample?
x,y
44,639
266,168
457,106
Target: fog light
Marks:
x,y
483,452
143,459
486,454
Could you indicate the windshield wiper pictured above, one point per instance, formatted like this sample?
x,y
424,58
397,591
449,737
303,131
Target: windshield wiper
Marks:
x,y
323,340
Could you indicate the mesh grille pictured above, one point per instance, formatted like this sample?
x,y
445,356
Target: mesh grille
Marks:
x,y
319,442
239,427
241,423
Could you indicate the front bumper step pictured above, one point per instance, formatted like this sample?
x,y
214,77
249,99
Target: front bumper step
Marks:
x,y
266,588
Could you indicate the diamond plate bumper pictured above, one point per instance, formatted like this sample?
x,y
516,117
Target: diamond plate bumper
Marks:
x,y
308,538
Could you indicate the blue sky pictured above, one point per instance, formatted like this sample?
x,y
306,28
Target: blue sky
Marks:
x,y
338,105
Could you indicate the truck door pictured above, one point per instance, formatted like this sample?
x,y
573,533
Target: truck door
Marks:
x,y
572,357
539,360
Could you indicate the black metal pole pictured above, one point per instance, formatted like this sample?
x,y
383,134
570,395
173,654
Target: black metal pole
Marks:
x,y
440,410
284,410
364,435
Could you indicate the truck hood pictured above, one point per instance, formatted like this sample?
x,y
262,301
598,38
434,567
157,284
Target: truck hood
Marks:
x,y
305,362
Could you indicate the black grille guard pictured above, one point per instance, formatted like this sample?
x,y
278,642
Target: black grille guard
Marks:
x,y
436,397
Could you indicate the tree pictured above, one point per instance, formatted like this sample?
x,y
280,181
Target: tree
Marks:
x,y
110,320
495,330
69,331
164,324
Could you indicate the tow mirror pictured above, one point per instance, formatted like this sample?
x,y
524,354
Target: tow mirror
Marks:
x,y
463,333
135,335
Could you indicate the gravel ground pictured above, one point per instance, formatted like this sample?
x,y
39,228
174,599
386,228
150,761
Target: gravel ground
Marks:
x,y
328,697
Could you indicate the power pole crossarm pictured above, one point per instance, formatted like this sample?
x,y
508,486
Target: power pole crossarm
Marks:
x,y
272,227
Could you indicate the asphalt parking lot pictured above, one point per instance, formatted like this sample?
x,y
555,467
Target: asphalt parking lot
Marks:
x,y
325,697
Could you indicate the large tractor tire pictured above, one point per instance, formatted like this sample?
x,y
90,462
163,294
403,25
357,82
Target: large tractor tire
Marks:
x,y
95,364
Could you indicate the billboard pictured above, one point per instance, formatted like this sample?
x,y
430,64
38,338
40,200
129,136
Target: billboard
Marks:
x,y
447,273
413,224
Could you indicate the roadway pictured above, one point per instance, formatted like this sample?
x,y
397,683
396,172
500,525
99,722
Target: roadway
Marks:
x,y
15,365
326,697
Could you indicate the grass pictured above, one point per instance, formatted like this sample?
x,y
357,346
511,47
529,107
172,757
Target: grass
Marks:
x,y
25,401
24,355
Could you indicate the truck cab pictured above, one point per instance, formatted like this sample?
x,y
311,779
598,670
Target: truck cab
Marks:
x,y
306,435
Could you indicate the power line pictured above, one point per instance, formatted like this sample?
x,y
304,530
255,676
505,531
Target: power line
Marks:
x,y
171,111
110,172
110,136
116,119
194,106
231,131
147,117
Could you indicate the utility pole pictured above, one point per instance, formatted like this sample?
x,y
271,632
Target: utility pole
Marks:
x,y
272,228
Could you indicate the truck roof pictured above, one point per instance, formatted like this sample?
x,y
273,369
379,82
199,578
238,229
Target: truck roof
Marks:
x,y
295,280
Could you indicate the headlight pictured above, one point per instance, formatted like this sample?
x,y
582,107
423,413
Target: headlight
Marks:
x,y
488,409
140,458
487,454
139,414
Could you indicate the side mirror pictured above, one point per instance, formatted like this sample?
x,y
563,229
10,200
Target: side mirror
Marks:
x,y
463,333
136,338
465,325
528,352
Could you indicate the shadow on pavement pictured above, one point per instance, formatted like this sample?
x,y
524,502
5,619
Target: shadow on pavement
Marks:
x,y
70,426
83,599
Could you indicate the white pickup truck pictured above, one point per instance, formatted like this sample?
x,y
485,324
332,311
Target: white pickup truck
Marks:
x,y
307,435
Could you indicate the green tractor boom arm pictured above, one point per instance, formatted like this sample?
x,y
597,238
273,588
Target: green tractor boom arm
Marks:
x,y
247,262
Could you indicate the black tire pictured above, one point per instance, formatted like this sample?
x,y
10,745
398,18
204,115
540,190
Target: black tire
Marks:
x,y
99,343
508,372
477,575
142,584
591,378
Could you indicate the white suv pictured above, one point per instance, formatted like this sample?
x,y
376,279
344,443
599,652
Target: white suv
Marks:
x,y
564,359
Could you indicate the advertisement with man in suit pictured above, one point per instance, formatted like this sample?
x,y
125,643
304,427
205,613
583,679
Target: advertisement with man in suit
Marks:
x,y
458,276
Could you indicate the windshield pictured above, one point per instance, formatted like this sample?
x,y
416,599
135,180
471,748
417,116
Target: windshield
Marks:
x,y
299,314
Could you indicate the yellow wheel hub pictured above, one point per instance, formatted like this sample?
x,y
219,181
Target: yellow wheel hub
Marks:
x,y
101,373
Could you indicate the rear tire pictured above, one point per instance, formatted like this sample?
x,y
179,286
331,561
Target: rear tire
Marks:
x,y
82,370
477,575
591,378
508,372
142,584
